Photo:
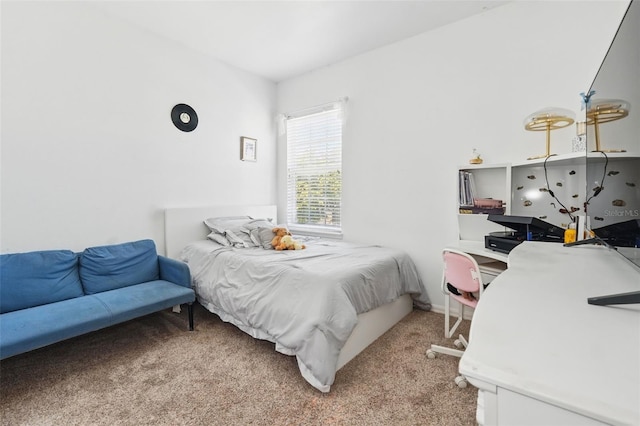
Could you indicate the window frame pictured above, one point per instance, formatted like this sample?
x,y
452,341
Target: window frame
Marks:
x,y
331,231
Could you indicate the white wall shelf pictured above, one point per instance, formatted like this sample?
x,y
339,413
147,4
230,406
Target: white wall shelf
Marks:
x,y
524,187
492,181
563,159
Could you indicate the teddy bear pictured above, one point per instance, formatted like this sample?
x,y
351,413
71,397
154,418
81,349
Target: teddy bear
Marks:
x,y
290,244
284,241
275,241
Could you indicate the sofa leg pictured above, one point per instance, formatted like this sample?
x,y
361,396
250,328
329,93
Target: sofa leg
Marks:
x,y
190,311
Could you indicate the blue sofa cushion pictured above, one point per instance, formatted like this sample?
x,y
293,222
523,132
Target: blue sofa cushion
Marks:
x,y
35,328
115,266
38,278
143,299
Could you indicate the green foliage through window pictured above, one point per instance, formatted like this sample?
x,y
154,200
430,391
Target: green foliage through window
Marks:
x,y
314,165
318,199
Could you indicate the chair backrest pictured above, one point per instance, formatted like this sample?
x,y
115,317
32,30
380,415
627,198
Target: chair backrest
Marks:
x,y
461,271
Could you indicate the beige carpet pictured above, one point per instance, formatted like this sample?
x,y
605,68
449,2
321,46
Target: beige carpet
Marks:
x,y
153,371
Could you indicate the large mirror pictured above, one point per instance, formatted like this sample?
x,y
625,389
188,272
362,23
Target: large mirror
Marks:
x,y
613,142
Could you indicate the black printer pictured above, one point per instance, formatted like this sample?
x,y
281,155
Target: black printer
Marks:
x,y
523,228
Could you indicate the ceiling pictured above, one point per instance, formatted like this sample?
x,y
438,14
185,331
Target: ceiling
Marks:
x,y
283,39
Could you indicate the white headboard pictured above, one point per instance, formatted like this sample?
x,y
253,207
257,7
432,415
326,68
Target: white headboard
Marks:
x,y
183,225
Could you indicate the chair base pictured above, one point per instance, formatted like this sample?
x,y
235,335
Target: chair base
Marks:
x,y
461,342
435,349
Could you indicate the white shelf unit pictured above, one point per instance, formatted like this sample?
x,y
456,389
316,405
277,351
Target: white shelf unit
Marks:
x,y
491,181
559,160
572,177
547,190
619,176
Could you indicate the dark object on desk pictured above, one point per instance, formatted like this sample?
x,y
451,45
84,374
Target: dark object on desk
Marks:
x,y
621,234
610,236
616,299
593,240
525,228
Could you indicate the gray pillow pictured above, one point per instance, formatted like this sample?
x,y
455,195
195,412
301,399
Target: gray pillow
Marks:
x,y
262,237
221,224
239,237
218,238
260,232
236,230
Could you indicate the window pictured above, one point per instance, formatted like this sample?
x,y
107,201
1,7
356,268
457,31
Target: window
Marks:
x,y
314,170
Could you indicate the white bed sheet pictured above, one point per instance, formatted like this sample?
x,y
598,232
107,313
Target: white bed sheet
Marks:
x,y
305,301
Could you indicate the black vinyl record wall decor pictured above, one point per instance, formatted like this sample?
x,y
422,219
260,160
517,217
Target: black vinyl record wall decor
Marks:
x,y
184,117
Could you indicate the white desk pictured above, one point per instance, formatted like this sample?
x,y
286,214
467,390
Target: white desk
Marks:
x,y
477,248
539,354
491,262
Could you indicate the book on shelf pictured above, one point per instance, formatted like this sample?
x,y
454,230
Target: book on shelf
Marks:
x,y
481,210
467,190
468,201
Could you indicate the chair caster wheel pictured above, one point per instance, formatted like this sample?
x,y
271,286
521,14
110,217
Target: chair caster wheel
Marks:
x,y
461,382
431,354
458,344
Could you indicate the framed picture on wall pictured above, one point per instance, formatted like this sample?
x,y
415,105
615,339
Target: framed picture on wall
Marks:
x,y
248,149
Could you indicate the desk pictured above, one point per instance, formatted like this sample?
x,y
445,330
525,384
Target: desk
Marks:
x,y
477,248
490,262
539,354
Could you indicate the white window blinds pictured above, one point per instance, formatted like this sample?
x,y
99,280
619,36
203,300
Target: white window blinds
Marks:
x,y
314,170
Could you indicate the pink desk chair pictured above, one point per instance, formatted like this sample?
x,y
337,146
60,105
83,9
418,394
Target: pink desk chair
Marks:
x,y
462,272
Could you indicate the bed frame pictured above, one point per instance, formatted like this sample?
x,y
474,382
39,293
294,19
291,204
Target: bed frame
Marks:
x,y
183,225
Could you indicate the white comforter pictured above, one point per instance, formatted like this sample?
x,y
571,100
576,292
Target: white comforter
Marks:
x,y
305,301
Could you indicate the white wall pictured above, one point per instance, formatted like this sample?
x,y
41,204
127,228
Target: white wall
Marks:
x,y
89,153
417,109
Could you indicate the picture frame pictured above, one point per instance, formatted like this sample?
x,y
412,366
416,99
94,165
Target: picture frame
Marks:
x,y
248,148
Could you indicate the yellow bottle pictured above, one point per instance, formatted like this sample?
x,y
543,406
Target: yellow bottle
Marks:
x,y
570,235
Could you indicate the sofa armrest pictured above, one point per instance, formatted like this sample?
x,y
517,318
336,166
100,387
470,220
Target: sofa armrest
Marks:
x,y
174,271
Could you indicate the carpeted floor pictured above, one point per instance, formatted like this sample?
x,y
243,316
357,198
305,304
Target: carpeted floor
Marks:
x,y
153,371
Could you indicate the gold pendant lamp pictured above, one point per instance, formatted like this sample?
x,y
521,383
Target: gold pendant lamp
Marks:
x,y
546,120
603,111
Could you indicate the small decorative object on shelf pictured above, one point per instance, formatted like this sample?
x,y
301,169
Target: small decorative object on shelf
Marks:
x,y
476,158
548,119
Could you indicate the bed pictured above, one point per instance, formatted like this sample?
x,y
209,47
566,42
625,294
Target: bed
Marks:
x,y
324,304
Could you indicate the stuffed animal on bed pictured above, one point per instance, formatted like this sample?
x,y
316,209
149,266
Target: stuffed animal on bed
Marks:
x,y
280,232
284,241
290,244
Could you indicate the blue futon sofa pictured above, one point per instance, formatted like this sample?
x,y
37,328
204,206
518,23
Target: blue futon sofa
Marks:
x,y
53,295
